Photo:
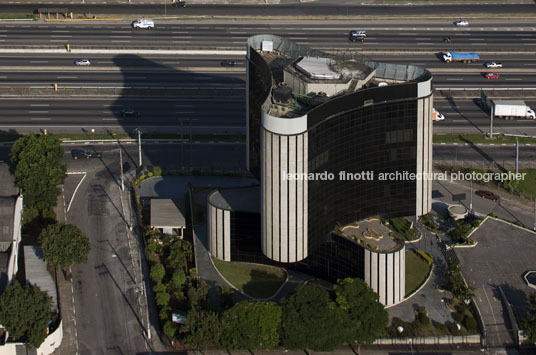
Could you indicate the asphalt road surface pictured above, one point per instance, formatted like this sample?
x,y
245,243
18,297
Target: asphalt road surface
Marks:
x,y
303,9
481,35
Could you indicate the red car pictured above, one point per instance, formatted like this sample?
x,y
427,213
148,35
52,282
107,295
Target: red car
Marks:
x,y
491,75
487,194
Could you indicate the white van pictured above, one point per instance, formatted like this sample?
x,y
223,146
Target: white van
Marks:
x,y
143,23
436,116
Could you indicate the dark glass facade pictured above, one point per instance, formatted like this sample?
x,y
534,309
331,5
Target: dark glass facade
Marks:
x,y
379,139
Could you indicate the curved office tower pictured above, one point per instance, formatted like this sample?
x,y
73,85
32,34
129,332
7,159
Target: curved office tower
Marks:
x,y
348,130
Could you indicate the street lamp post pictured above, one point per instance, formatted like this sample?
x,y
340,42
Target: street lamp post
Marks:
x,y
121,167
139,147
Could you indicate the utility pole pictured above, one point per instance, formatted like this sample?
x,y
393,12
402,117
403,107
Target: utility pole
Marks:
x,y
471,199
139,147
121,166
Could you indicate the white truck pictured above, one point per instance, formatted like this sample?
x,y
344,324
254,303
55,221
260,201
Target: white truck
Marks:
x,y
509,109
143,23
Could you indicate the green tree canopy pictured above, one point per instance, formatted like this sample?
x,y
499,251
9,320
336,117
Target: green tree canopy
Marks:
x,y
203,328
64,245
158,272
368,317
25,313
38,169
251,325
311,320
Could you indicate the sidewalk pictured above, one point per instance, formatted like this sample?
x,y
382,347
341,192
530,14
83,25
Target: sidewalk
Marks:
x,y
69,344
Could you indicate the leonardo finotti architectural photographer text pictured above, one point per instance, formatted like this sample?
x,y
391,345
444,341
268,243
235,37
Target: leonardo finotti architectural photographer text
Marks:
x,y
403,175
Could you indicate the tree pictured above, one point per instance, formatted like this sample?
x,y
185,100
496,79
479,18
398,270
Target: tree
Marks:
x,y
202,329
529,323
197,295
170,329
64,245
180,252
368,318
311,320
158,272
38,169
162,298
178,278
251,325
25,313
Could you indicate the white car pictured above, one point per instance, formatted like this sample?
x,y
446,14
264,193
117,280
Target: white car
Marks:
x,y
461,23
143,23
493,65
436,116
84,62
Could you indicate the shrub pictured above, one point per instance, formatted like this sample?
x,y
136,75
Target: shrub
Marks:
x,y
453,329
158,272
149,174
470,324
458,317
422,317
164,313
425,256
441,327
157,171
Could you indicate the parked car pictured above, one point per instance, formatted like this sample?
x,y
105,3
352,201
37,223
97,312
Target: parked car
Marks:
x,y
487,194
461,23
491,75
228,63
179,4
81,154
493,65
129,112
85,62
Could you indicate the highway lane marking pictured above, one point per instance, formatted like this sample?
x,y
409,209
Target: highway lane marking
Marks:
x,y
110,119
239,37
60,36
38,61
56,40
37,111
137,77
523,34
67,77
528,64
121,31
38,105
105,62
529,44
3,77
62,31
189,42
528,39
477,39
426,44
180,32
116,41
182,36
40,119
454,79
233,32
423,39
510,79
120,36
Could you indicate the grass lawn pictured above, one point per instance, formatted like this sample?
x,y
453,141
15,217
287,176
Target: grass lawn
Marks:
x,y
528,186
17,16
416,271
255,280
479,138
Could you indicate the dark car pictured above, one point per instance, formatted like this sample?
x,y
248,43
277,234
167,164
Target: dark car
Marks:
x,y
487,194
81,154
228,63
179,4
129,112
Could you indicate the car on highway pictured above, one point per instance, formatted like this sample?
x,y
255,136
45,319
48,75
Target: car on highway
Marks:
x,y
228,63
357,35
179,4
461,23
129,112
487,194
437,116
143,23
491,75
493,65
82,62
82,154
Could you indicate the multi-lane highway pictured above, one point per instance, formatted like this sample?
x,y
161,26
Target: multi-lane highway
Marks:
x,y
481,34
324,8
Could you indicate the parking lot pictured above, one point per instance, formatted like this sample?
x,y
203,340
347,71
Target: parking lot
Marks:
x,y
503,254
